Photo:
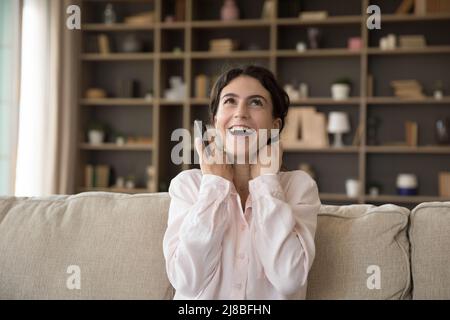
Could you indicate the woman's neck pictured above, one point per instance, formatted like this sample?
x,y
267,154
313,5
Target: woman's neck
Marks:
x,y
242,176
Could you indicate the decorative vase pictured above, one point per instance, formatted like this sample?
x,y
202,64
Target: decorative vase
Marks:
x,y
96,136
314,38
443,131
352,188
340,91
131,44
407,184
229,11
109,15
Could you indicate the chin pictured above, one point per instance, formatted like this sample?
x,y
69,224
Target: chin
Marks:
x,y
242,148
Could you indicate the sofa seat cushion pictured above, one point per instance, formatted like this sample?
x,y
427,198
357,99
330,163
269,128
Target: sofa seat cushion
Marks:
x,y
112,241
430,250
357,244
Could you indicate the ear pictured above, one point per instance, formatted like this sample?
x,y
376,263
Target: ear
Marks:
x,y
276,124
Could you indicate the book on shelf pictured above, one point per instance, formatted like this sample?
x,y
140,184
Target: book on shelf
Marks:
x,y
412,41
89,177
444,184
97,176
143,18
222,45
313,15
104,46
411,133
423,7
358,135
407,89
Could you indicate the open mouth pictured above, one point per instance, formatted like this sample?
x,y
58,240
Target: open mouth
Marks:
x,y
241,131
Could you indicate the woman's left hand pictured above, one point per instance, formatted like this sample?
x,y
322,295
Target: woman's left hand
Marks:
x,y
268,161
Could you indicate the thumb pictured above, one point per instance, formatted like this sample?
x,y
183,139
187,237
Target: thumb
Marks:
x,y
199,146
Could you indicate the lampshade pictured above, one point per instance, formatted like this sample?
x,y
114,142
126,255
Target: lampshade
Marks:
x,y
338,122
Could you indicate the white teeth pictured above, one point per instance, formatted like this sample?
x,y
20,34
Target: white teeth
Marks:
x,y
241,131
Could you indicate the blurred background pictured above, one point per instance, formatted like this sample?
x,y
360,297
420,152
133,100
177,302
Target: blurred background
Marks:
x,y
91,91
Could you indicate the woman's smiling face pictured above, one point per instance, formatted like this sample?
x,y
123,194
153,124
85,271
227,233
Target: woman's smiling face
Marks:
x,y
245,107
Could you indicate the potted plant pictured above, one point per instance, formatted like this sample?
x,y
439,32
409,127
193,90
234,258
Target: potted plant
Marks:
x,y
340,89
96,133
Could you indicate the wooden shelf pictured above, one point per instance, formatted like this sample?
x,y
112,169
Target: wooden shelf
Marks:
x,y
403,199
394,100
199,101
117,57
326,101
426,50
413,17
165,102
335,52
345,149
332,20
406,149
97,27
172,25
218,24
116,102
115,147
172,55
230,55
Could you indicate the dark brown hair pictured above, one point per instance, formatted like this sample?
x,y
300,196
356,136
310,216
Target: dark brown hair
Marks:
x,y
280,99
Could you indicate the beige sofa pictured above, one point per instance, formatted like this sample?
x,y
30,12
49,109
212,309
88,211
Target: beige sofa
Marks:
x,y
111,246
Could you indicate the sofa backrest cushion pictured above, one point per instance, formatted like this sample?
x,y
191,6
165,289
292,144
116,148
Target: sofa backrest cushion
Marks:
x,y
110,244
430,250
362,252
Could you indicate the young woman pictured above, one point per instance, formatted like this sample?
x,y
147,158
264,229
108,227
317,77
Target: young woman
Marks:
x,y
241,230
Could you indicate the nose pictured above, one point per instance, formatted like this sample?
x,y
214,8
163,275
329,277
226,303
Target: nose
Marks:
x,y
242,110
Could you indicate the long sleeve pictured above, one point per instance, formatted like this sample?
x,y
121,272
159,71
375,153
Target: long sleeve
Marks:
x,y
284,229
196,226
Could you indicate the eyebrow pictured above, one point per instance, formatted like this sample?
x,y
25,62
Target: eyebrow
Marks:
x,y
249,97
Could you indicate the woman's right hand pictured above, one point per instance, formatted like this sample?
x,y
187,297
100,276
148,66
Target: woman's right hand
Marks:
x,y
215,163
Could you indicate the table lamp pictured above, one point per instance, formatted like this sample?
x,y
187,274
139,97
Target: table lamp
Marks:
x,y
338,124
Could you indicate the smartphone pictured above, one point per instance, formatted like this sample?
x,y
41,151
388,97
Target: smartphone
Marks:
x,y
276,138
200,129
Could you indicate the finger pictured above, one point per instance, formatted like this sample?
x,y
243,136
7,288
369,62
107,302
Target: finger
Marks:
x,y
199,148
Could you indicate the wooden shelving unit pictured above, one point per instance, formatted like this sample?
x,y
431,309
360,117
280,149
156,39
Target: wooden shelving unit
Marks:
x,y
115,147
275,38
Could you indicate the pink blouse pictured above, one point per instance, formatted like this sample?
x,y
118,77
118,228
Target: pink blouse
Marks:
x,y
214,250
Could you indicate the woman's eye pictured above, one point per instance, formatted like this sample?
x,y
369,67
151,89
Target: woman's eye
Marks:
x,y
229,100
256,102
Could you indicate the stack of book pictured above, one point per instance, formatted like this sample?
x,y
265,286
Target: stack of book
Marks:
x,y
223,45
141,18
411,133
313,15
97,176
412,41
407,89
